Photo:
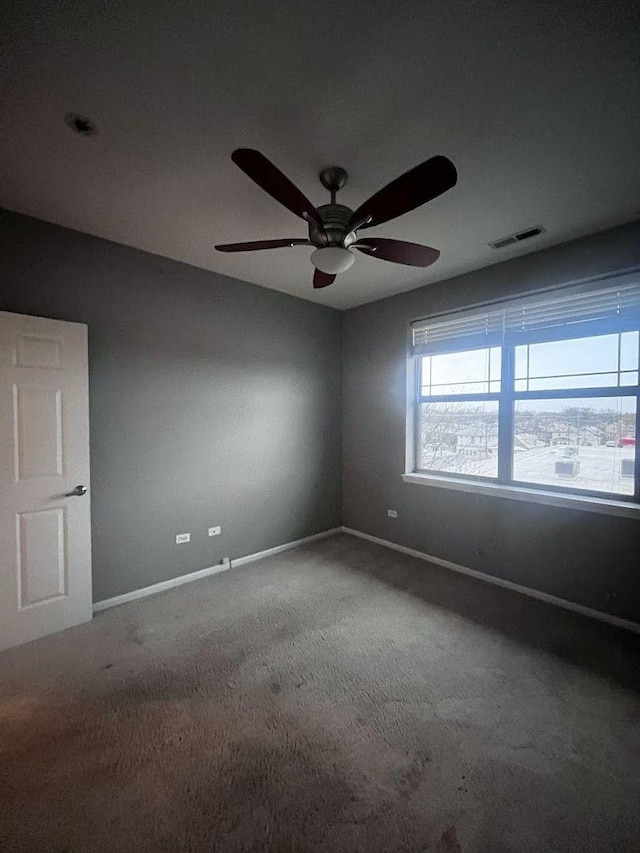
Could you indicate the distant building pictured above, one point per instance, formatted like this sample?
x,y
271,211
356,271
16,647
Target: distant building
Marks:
x,y
476,440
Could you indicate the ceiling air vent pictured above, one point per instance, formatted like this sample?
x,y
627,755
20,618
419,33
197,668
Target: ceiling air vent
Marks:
x,y
518,237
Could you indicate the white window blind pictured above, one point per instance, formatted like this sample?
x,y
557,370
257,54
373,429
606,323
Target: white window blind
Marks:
x,y
571,312
460,331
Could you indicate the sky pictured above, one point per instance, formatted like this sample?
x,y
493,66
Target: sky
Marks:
x,y
479,370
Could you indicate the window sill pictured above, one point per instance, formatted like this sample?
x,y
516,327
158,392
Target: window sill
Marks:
x,y
604,506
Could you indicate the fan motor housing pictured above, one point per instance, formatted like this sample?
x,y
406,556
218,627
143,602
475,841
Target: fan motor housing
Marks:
x,y
335,218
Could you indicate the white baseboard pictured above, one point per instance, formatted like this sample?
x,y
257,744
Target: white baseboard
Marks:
x,y
159,587
205,573
250,558
516,587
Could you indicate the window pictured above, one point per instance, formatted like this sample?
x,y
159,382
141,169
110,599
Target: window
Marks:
x,y
541,393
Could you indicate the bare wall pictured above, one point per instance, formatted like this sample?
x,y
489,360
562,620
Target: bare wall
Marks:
x,y
212,401
587,558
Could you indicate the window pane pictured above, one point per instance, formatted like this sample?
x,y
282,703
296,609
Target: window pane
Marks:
x,y
592,362
591,380
471,372
629,351
584,444
495,359
459,438
521,364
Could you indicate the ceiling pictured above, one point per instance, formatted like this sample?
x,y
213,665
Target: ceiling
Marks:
x,y
537,104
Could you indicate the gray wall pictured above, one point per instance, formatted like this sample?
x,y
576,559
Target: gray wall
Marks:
x,y
587,558
212,402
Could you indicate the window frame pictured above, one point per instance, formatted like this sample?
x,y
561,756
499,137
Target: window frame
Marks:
x,y
507,398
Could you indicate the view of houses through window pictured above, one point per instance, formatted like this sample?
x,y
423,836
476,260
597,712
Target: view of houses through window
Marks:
x,y
559,414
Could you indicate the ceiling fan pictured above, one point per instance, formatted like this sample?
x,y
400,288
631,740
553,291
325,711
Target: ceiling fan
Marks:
x,y
333,228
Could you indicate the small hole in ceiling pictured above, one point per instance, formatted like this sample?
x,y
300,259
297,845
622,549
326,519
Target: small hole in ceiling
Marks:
x,y
81,124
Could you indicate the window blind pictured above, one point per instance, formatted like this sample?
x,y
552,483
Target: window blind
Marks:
x,y
572,312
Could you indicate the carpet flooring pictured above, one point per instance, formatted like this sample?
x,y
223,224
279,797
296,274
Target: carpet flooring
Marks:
x,y
337,697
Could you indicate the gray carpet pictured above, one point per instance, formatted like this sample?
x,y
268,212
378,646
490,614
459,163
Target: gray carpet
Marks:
x,y
339,697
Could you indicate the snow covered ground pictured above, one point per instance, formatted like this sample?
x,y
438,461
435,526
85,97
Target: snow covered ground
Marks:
x,y
600,468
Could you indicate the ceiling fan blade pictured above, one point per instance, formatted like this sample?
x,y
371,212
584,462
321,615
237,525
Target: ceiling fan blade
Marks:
x,y
416,187
411,254
322,279
273,181
256,245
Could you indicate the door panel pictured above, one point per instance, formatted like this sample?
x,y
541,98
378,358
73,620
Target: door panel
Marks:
x,y
41,559
38,351
38,432
45,542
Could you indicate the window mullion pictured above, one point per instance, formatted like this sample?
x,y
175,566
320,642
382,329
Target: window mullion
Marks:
x,y
636,490
577,393
505,416
417,391
460,398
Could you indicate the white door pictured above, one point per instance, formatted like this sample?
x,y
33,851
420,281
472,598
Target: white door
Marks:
x,y
45,536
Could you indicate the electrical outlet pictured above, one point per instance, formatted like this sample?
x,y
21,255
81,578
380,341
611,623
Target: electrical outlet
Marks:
x,y
392,513
182,538
215,531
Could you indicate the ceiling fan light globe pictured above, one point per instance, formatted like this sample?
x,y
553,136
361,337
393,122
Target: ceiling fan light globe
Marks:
x,y
332,259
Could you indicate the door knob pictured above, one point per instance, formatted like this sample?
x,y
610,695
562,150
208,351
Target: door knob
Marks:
x,y
78,492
